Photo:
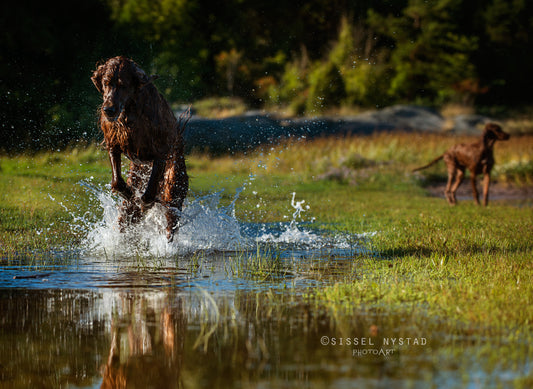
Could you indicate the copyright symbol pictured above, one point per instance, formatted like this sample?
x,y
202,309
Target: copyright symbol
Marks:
x,y
324,340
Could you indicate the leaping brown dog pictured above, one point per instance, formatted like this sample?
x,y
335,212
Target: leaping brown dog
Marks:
x,y
477,157
137,120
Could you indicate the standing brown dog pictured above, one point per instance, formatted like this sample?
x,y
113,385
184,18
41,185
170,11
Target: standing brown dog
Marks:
x,y
137,121
477,157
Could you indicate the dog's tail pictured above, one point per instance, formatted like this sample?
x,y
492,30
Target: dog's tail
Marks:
x,y
429,164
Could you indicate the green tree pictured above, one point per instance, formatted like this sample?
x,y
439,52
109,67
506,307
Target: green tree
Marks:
x,y
505,57
47,51
362,64
178,48
431,57
326,87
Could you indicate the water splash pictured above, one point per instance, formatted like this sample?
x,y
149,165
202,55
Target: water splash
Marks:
x,y
206,225
291,234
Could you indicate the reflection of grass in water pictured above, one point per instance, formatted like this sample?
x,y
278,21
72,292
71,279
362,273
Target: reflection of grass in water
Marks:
x,y
209,320
268,330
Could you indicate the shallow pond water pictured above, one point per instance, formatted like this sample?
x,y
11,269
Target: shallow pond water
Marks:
x,y
174,328
224,306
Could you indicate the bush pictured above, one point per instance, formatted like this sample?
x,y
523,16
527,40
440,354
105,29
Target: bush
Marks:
x,y
218,107
293,82
326,88
366,85
515,172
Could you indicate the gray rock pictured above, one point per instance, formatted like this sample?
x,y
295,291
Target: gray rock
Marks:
x,y
469,124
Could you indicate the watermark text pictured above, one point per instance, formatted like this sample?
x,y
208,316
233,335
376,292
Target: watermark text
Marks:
x,y
373,346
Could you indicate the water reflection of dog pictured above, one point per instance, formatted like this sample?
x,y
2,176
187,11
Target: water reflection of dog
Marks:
x,y
146,347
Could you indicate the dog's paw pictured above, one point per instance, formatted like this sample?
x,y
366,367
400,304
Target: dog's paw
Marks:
x,y
147,202
122,189
145,207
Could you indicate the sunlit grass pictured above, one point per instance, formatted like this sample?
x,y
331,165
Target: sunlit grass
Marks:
x,y
220,107
361,181
355,159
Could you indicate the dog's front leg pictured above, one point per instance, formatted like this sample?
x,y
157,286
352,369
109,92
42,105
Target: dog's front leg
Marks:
x,y
474,187
117,182
150,193
486,184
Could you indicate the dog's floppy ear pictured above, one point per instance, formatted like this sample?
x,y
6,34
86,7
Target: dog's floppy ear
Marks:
x,y
492,127
97,78
141,76
490,130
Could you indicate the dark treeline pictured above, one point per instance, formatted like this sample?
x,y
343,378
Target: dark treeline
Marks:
x,y
306,55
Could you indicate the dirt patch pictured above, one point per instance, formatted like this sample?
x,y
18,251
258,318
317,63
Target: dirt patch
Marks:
x,y
498,191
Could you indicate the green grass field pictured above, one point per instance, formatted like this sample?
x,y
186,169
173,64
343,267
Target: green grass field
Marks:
x,y
459,270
